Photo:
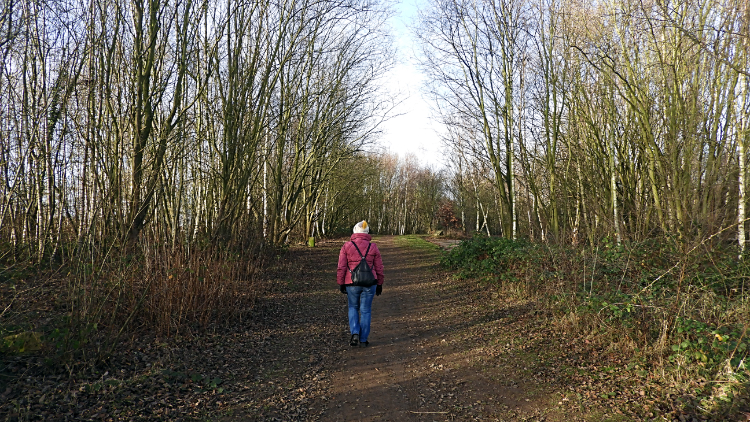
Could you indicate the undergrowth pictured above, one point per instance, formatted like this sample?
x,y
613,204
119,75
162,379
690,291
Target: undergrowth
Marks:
x,y
77,312
684,309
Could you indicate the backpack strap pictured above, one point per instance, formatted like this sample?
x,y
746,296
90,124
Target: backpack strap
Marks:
x,y
360,252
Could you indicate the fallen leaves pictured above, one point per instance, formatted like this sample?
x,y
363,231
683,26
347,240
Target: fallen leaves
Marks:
x,y
257,365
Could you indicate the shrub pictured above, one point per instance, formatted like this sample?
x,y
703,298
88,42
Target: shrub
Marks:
x,y
82,309
486,257
686,303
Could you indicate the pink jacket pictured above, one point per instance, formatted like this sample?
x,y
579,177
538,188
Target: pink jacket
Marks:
x,y
349,258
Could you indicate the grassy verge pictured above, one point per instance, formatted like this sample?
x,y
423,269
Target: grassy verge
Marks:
x,y
416,241
678,319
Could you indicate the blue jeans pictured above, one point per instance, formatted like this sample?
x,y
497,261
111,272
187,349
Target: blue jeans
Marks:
x,y
360,309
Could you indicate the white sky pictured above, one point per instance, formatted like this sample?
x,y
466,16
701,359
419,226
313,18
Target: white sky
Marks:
x,y
412,131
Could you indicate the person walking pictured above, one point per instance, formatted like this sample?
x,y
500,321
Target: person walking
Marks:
x,y
360,293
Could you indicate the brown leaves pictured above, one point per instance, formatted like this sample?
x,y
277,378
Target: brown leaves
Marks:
x,y
268,364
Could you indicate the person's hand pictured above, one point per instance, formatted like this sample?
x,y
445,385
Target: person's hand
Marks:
x,y
379,290
342,289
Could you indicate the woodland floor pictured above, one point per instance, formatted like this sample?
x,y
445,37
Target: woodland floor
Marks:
x,y
440,350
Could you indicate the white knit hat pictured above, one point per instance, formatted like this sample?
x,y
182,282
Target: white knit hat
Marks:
x,y
361,227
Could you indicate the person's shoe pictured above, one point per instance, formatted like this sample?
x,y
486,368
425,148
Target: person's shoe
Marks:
x,y
364,344
354,340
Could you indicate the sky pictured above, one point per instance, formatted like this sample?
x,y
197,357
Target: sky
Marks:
x,y
412,130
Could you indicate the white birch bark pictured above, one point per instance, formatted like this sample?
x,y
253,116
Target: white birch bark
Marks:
x,y
742,135
613,188
741,200
265,188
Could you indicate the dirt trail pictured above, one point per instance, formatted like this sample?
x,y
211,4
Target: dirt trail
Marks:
x,y
434,354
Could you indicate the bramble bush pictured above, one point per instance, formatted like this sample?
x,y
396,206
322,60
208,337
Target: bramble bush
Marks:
x,y
482,257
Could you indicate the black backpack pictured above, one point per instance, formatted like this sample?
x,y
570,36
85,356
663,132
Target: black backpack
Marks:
x,y
362,273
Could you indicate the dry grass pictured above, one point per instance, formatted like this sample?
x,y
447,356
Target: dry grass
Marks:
x,y
85,307
686,315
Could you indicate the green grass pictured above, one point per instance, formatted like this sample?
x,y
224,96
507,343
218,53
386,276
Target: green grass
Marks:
x,y
416,241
